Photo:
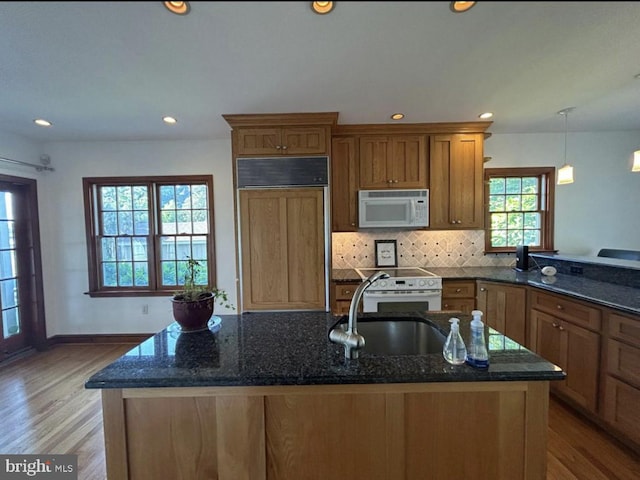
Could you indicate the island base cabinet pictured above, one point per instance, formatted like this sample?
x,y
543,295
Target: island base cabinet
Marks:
x,y
466,430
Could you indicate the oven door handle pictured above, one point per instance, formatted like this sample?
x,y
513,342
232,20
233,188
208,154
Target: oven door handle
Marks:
x,y
406,293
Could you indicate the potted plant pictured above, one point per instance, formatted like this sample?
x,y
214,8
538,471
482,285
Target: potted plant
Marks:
x,y
193,305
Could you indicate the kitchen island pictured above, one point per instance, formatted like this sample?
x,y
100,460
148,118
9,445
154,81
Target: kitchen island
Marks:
x,y
267,396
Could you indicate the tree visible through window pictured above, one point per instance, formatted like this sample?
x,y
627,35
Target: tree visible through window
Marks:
x,y
519,203
141,231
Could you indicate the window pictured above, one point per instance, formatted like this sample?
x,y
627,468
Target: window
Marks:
x,y
519,208
142,230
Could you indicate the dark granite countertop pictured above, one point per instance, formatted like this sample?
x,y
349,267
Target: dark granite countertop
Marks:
x,y
292,348
603,293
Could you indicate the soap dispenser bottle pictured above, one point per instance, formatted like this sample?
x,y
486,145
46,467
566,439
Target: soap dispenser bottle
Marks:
x,y
477,356
454,351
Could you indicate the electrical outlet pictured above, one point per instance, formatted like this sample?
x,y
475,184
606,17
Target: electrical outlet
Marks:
x,y
576,270
145,309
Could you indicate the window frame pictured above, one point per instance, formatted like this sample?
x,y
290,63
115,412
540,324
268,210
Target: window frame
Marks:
x,y
546,176
92,221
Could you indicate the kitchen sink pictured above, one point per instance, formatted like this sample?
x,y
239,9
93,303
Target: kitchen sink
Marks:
x,y
397,335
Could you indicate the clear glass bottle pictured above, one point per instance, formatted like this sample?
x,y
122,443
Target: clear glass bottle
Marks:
x,y
477,356
454,350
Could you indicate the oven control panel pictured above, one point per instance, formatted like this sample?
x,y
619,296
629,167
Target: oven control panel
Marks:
x,y
426,283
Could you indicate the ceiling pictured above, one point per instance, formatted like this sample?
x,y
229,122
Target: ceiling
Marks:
x,y
112,70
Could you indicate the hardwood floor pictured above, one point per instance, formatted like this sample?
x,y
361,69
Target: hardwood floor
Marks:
x,y
46,409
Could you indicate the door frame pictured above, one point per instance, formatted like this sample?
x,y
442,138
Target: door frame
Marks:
x,y
33,321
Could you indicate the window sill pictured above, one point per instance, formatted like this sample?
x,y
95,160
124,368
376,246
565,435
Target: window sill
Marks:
x,y
131,293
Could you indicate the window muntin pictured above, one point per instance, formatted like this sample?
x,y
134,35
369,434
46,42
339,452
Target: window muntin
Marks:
x,y
519,208
142,230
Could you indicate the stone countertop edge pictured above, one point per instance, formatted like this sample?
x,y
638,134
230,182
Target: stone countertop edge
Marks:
x,y
619,297
292,348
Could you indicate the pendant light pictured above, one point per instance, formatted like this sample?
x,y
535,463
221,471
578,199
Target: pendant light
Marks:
x,y
565,174
636,161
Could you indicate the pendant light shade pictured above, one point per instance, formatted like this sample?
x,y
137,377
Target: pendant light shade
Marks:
x,y
636,161
565,174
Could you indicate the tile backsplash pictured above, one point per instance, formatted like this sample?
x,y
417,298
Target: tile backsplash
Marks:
x,y
450,248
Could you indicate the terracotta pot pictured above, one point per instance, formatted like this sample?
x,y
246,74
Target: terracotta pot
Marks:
x,y
192,316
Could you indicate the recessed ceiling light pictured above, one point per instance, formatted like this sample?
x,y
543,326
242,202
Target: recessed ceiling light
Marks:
x,y
179,8
169,120
485,115
459,7
397,116
42,122
322,8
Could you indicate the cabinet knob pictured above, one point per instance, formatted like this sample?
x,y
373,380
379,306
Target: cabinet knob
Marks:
x,y
559,307
353,224
555,325
482,289
347,292
389,181
278,147
395,181
561,328
284,147
458,290
459,221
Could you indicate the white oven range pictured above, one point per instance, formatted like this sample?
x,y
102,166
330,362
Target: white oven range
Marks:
x,y
407,289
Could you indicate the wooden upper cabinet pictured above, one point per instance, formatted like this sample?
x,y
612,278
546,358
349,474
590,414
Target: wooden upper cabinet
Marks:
x,y
393,161
456,181
280,134
282,141
344,184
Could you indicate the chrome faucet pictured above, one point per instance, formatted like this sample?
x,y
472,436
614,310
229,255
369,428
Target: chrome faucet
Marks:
x,y
351,339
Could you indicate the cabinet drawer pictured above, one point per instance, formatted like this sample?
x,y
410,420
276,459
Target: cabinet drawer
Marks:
x,y
623,361
624,328
345,291
458,289
464,305
621,407
570,310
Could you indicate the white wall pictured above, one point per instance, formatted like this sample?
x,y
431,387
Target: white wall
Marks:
x,y
68,309
601,208
19,148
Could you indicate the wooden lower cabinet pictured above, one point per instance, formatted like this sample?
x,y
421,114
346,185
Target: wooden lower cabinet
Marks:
x,y
360,432
504,309
459,295
622,375
574,349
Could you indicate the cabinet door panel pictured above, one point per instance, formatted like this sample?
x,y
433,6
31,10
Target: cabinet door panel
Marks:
x,y
304,140
409,162
257,141
439,177
374,167
466,204
305,248
545,338
344,186
621,407
582,361
282,239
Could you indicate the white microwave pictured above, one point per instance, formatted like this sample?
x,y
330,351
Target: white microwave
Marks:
x,y
393,208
